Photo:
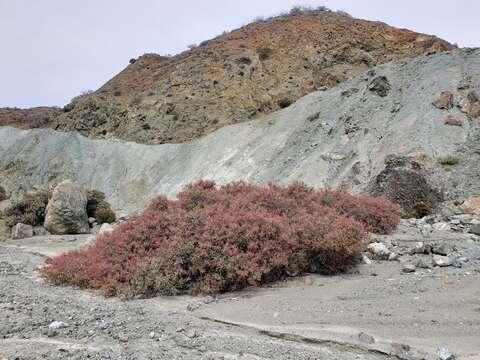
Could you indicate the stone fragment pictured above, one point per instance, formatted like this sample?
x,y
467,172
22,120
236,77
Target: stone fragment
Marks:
x,y
366,338
452,121
445,354
425,262
441,261
22,231
472,205
408,268
441,226
475,229
379,251
380,86
441,249
445,101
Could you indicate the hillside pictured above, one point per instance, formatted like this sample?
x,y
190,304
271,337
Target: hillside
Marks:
x,y
255,70
378,131
38,117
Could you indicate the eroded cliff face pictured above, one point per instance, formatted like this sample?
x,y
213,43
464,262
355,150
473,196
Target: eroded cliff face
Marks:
x,y
379,131
255,70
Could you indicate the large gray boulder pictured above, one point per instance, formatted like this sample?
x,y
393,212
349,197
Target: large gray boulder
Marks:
x,y
22,231
67,210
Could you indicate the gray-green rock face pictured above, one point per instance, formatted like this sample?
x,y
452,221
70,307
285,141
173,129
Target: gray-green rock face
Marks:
x,y
66,210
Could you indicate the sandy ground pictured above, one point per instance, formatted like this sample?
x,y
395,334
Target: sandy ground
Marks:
x,y
374,312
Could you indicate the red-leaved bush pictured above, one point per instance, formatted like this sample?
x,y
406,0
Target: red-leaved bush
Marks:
x,y
216,239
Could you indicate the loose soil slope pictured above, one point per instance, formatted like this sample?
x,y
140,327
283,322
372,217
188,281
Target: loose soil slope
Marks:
x,y
345,136
254,70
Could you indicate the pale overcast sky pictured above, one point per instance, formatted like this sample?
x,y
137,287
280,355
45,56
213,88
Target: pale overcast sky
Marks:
x,y
54,49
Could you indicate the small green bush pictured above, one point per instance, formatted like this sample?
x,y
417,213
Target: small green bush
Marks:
x,y
422,210
105,215
448,160
29,210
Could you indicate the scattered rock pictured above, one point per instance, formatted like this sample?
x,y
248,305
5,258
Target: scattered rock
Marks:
x,y
105,228
408,268
441,249
57,325
91,220
472,205
66,211
421,248
452,121
475,229
441,261
208,299
123,338
191,333
442,226
365,260
425,262
401,351
380,86
445,101
365,338
444,354
379,251
392,257
22,231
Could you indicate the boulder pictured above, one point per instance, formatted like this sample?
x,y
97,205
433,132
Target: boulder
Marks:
x,y
22,231
442,226
66,211
445,101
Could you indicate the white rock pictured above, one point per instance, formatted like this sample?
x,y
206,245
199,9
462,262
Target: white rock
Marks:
x,y
441,261
442,226
379,250
57,325
105,228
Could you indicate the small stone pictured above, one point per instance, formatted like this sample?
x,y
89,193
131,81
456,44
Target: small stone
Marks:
x,y
208,299
193,306
444,354
401,351
191,333
393,257
365,260
91,220
408,268
441,249
452,121
52,332
308,281
380,86
123,338
456,263
379,250
425,263
441,226
57,325
441,261
22,231
420,248
152,334
445,101
365,338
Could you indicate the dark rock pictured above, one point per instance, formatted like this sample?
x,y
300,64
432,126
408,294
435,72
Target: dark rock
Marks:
x,y
475,229
380,86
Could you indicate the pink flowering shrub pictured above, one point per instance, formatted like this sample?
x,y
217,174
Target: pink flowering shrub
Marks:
x,y
216,239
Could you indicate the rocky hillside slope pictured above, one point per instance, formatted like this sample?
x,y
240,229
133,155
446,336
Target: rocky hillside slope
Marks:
x,y
389,130
38,117
254,70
